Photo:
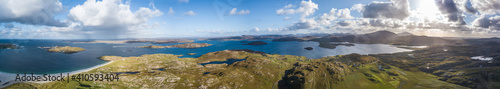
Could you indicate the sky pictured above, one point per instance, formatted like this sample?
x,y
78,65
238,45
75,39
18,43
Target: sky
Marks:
x,y
116,19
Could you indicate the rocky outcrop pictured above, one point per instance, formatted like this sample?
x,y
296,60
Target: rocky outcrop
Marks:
x,y
8,46
315,75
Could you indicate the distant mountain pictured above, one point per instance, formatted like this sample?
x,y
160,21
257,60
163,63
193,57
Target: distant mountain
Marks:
x,y
421,41
375,37
405,34
387,37
249,37
378,37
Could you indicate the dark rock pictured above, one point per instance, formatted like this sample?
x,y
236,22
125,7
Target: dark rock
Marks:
x,y
308,48
8,46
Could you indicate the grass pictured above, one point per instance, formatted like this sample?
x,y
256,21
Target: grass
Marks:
x,y
257,71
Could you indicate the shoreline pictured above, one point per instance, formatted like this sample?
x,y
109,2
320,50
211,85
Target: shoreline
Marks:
x,y
10,77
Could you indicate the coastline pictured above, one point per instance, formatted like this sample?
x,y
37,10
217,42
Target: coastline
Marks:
x,y
10,77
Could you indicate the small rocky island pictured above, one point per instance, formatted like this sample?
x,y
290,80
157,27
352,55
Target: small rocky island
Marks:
x,y
8,46
308,48
65,49
187,45
256,43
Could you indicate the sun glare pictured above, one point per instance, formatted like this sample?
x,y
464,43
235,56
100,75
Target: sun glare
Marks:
x,y
428,10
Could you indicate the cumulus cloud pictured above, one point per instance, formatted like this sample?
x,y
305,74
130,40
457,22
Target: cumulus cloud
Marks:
x,y
289,6
345,23
487,22
304,23
488,7
449,8
235,12
171,11
35,12
256,29
190,13
467,7
398,9
334,14
324,19
306,8
109,17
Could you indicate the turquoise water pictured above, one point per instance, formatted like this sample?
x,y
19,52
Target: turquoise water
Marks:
x,y
31,59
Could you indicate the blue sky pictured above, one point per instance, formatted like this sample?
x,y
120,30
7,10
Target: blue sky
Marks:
x,y
109,19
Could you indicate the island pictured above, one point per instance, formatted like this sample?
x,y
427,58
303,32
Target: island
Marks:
x,y
308,48
187,45
65,49
191,53
256,43
8,46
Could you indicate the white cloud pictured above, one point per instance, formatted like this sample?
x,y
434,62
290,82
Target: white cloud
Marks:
x,y
324,19
274,30
398,9
171,11
235,12
184,1
108,18
35,12
334,14
256,29
488,7
289,6
110,12
345,22
307,8
190,13
304,23
488,22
